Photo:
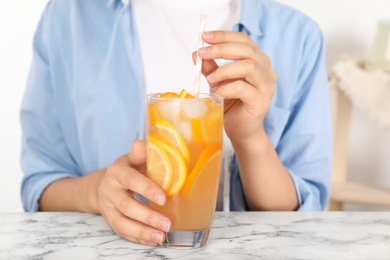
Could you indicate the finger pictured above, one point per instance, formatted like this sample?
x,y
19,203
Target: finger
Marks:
x,y
114,218
134,181
139,233
135,231
146,243
230,51
208,66
240,89
214,37
136,210
109,212
137,156
246,69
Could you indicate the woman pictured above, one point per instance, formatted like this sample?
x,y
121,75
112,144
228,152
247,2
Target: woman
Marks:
x,y
84,105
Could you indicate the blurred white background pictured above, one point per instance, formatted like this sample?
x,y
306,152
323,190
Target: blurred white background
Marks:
x,y
18,20
349,27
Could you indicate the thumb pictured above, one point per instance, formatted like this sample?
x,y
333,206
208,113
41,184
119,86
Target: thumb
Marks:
x,y
137,156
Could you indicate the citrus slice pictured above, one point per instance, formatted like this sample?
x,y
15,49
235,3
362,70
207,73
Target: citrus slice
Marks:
x,y
185,94
179,167
170,95
208,130
170,135
206,168
198,132
159,165
153,114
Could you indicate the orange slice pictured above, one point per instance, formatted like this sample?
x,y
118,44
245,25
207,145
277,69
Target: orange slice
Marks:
x,y
198,131
207,167
159,165
171,136
179,167
153,114
170,95
208,130
185,94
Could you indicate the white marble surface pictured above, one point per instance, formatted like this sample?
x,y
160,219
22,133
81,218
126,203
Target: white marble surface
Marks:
x,y
248,235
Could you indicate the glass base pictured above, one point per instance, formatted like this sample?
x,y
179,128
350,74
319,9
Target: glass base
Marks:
x,y
187,239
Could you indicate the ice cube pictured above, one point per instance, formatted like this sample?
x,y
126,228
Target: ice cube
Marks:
x,y
169,110
194,108
185,130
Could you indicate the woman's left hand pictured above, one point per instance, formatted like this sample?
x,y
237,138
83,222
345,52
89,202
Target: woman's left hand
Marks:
x,y
247,84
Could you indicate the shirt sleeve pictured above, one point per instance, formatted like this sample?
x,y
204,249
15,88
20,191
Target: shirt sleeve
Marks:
x,y
305,147
304,144
45,157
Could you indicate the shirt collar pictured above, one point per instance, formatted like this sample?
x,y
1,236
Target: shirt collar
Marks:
x,y
124,2
251,17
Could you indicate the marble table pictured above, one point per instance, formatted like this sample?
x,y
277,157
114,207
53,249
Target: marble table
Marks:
x,y
247,235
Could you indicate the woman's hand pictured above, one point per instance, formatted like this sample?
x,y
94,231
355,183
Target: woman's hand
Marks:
x,y
247,84
128,217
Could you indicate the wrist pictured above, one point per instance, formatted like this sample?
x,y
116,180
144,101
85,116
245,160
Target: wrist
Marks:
x,y
254,143
91,184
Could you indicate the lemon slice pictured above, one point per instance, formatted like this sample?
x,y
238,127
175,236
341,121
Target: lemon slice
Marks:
x,y
171,136
179,167
159,167
185,94
206,168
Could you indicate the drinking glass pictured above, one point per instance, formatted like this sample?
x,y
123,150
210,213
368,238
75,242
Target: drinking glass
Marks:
x,y
184,154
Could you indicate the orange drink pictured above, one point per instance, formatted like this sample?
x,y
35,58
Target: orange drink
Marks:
x,y
184,154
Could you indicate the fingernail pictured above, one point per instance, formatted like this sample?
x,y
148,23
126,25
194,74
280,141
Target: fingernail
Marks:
x,y
211,76
159,199
208,35
157,237
164,225
204,50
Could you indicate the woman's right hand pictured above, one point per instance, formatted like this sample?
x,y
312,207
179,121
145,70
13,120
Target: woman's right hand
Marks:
x,y
128,217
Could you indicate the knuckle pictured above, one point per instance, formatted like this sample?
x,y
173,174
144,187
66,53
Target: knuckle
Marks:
x,y
125,159
251,65
112,169
123,206
103,189
151,219
101,192
217,49
274,76
272,90
220,35
269,61
138,241
253,50
244,35
119,233
150,188
115,223
240,87
143,234
219,74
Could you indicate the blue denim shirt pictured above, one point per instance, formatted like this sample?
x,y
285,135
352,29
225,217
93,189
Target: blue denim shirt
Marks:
x,y
84,102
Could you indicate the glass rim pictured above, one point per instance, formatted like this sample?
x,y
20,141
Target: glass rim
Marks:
x,y
156,96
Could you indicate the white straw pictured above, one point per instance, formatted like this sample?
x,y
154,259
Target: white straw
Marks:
x,y
198,71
